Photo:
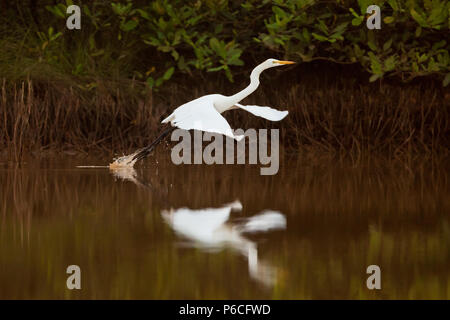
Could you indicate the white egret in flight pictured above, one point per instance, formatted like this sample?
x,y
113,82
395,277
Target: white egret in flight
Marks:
x,y
204,113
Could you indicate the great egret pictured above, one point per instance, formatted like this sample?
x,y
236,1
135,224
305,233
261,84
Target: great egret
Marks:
x,y
204,113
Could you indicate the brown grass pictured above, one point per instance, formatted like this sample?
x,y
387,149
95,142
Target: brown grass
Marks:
x,y
331,111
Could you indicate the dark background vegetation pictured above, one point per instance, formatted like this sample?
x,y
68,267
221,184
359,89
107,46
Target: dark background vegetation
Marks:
x,y
354,91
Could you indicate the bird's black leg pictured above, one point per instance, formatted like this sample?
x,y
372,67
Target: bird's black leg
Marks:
x,y
144,152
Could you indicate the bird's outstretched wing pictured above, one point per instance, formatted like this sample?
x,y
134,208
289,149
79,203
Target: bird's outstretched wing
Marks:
x,y
265,221
264,112
201,115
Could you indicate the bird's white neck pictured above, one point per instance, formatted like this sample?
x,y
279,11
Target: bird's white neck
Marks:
x,y
227,102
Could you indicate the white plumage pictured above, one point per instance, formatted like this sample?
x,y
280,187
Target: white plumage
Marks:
x,y
204,113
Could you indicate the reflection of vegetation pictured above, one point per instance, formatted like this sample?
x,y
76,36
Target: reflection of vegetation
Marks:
x,y
340,220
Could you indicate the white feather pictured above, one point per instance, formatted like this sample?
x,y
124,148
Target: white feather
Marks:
x,y
264,112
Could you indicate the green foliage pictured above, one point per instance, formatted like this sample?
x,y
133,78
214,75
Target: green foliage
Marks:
x,y
156,39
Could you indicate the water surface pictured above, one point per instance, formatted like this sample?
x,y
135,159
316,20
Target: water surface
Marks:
x,y
224,232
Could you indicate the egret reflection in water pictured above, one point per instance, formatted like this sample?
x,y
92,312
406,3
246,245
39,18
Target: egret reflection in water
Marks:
x,y
210,229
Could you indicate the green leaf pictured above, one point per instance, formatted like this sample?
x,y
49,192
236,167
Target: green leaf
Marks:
x,y
151,82
358,52
393,4
55,36
446,80
159,82
168,74
216,69
418,31
354,13
306,35
374,77
375,64
357,21
387,45
419,19
129,25
278,11
341,28
228,73
388,19
439,45
215,44
56,10
175,55
319,37
389,63
363,4
371,42
144,14
438,14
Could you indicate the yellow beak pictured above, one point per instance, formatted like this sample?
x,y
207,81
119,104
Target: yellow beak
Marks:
x,y
284,62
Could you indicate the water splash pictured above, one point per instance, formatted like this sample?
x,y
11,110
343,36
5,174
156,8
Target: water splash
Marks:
x,y
124,161
126,174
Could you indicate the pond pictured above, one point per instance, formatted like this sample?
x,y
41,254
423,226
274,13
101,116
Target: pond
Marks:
x,y
163,231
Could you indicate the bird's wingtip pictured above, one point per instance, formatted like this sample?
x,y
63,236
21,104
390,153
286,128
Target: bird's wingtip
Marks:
x,y
284,114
